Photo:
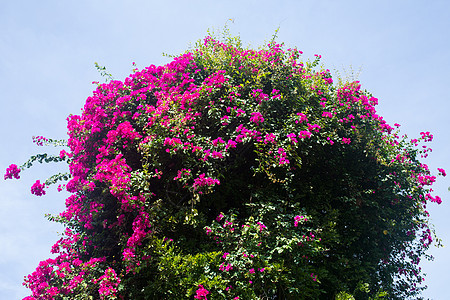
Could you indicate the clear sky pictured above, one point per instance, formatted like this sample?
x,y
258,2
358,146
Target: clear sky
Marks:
x,y
399,50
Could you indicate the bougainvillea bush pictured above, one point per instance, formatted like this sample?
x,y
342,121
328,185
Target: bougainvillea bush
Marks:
x,y
233,173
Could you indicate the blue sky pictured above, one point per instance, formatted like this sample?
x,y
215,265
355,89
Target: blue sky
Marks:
x,y
48,48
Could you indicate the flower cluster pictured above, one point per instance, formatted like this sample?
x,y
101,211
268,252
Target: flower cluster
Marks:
x,y
201,293
108,284
40,140
12,172
38,188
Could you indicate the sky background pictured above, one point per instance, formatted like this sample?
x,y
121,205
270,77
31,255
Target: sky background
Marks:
x,y
398,49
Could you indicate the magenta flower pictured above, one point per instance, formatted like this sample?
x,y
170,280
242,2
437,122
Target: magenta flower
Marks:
x,y
314,127
62,154
108,284
261,226
240,112
38,188
202,180
426,136
269,138
12,171
39,140
256,118
201,293
302,117
231,144
297,220
304,134
282,158
327,114
346,141
128,254
293,136
219,217
224,120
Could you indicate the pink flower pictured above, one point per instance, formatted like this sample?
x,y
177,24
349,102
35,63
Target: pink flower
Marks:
x,y
282,158
261,226
38,188
219,217
304,134
53,291
231,144
346,141
327,114
302,117
39,140
63,154
12,171
436,199
269,138
256,118
217,141
224,120
201,293
202,180
314,127
298,219
442,172
108,283
128,254
426,136
251,271
293,136
217,154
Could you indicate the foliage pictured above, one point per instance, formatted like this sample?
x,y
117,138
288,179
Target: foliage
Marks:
x,y
233,173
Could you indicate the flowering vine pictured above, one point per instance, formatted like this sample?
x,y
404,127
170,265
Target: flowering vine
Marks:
x,y
237,173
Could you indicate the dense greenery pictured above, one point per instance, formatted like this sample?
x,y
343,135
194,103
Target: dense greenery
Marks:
x,y
233,173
